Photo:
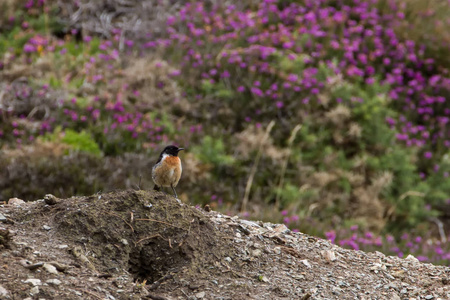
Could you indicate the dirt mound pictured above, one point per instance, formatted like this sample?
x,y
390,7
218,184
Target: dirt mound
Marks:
x,y
146,245
143,233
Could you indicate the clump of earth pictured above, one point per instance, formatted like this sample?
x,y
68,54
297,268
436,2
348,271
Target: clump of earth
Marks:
x,y
147,245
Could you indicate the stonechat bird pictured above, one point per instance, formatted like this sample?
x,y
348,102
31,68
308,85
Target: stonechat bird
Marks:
x,y
167,170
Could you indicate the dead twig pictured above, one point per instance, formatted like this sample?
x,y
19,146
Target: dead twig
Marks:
x,y
116,215
162,222
255,167
92,294
155,297
150,237
285,162
157,283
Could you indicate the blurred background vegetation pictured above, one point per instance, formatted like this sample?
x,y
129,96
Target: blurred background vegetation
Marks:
x,y
324,115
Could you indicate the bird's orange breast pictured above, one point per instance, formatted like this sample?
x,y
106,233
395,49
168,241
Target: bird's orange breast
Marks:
x,y
172,161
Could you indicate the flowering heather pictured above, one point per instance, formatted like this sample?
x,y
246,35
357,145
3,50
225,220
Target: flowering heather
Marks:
x,y
426,249
355,40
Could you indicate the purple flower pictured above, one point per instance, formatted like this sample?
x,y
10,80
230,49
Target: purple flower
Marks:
x,y
292,77
241,89
28,48
256,91
331,235
427,155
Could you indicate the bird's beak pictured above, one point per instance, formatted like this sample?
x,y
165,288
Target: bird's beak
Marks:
x,y
179,149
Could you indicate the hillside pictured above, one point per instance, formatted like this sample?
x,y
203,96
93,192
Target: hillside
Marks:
x,y
146,245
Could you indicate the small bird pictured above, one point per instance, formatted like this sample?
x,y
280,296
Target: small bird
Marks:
x,y
167,170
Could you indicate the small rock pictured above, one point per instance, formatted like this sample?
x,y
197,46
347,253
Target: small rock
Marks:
x,y
394,296
59,266
412,258
3,292
51,269
429,297
46,227
63,246
200,295
257,252
328,255
306,263
228,259
124,242
399,274
51,200
33,281
34,290
249,223
281,228
54,281
3,218
298,277
30,266
15,201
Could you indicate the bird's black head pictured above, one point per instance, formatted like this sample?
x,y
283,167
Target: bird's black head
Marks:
x,y
171,150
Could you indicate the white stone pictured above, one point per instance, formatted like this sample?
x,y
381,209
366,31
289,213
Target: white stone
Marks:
x,y
33,281
34,291
3,292
50,268
54,281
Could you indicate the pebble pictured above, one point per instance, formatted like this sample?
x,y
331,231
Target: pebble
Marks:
x,y
306,263
54,281
228,259
412,258
429,297
250,223
34,291
282,228
15,201
51,269
328,255
3,292
46,227
3,218
33,281
394,296
200,295
124,242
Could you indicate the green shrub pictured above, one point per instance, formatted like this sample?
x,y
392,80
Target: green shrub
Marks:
x,y
80,141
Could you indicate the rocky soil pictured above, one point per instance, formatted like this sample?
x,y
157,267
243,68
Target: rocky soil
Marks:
x,y
146,245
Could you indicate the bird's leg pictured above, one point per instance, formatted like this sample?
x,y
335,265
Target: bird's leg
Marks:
x,y
139,184
173,189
